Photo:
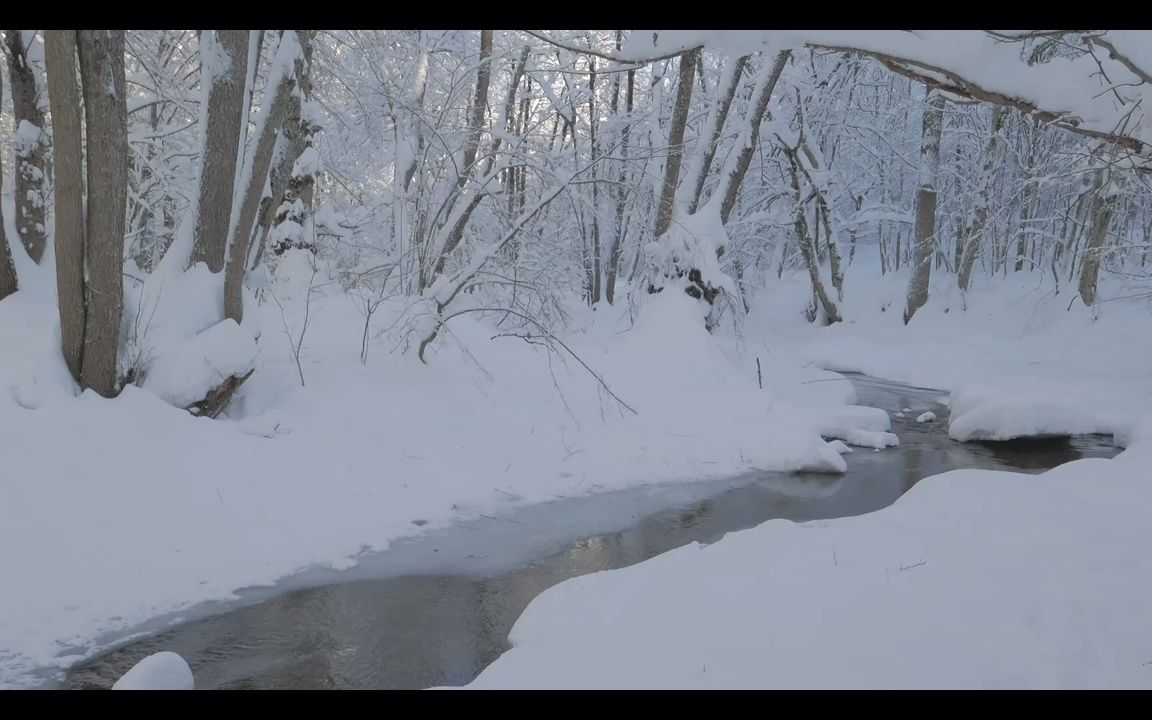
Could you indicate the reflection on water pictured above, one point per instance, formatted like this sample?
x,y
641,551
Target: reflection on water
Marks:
x,y
415,631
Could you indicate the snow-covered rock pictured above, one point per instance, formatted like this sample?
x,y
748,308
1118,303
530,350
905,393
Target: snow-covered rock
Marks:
x,y
926,417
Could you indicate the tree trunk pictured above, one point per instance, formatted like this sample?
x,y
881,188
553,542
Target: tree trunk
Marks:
x,y
714,128
972,247
1103,203
738,165
286,67
7,269
29,142
105,115
597,275
224,61
475,129
926,205
621,194
807,243
675,144
68,164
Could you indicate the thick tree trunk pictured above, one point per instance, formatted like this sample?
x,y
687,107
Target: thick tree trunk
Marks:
x,y
926,205
224,66
105,115
284,101
1103,204
68,165
30,141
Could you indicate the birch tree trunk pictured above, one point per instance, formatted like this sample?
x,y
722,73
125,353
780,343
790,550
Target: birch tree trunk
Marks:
x,y
926,205
1103,204
223,68
980,221
621,195
29,143
105,115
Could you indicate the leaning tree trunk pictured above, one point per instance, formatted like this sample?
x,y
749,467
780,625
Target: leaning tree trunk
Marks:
x,y
737,167
282,87
697,174
675,144
1103,203
106,120
926,205
68,167
807,242
224,66
972,247
29,167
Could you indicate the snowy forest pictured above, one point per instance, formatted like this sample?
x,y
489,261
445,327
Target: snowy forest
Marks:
x,y
282,309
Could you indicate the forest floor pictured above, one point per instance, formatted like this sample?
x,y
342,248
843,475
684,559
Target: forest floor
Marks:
x,y
115,512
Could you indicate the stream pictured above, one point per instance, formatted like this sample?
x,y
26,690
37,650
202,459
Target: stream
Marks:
x,y
435,609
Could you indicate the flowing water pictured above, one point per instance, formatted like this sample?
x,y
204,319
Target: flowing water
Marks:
x,y
436,609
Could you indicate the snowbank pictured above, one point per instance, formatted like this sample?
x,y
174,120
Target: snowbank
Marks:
x,y
974,579
118,511
159,671
1018,361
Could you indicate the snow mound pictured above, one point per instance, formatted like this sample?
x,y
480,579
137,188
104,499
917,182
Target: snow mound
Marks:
x,y
926,417
160,671
985,413
973,579
185,374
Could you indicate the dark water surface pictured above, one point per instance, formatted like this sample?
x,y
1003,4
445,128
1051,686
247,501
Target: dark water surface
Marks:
x,y
437,609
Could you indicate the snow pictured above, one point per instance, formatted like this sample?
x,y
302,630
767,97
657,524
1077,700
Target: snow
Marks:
x,y
973,579
155,511
1063,85
926,417
159,671
186,374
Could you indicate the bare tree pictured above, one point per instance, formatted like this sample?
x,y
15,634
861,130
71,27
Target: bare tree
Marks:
x,y
224,55
283,102
101,55
7,269
980,221
30,141
675,143
926,204
68,164
1103,204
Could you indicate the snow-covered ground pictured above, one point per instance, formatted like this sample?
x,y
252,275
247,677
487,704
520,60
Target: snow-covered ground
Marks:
x,y
115,512
1018,361
973,579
